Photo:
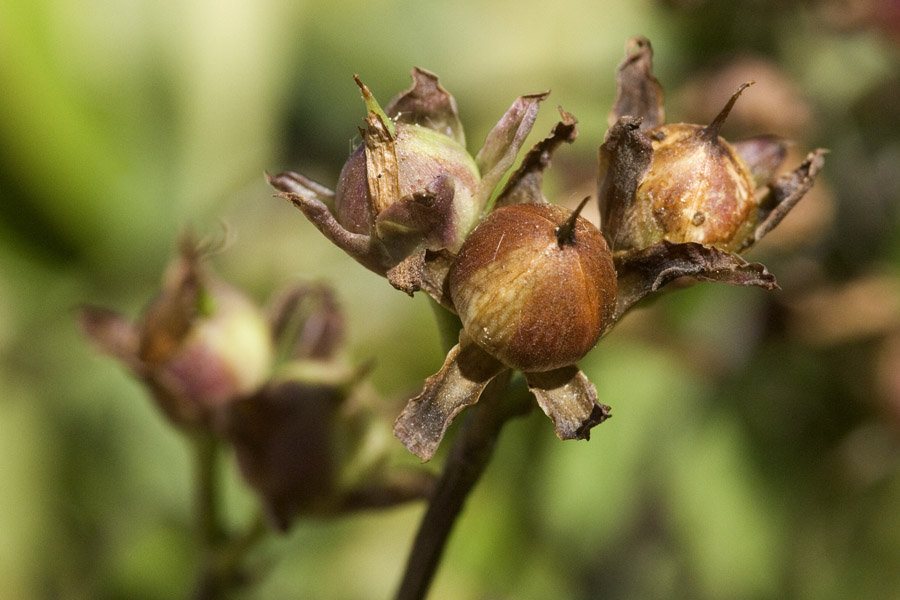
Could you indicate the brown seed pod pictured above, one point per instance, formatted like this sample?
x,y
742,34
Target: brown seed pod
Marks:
x,y
534,286
698,189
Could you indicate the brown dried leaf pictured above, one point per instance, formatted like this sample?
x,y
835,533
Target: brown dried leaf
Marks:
x,y
525,185
786,191
646,271
638,93
625,158
427,104
466,372
568,397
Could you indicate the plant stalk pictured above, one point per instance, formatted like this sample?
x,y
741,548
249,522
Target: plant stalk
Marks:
x,y
469,457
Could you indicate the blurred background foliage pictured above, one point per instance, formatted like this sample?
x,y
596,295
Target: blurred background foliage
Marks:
x,y
755,450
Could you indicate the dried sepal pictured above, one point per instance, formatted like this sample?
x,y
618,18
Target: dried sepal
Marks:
x,y
362,247
306,322
434,277
504,141
644,272
526,183
382,169
624,159
423,220
568,397
466,372
638,93
294,183
785,192
112,334
764,155
427,104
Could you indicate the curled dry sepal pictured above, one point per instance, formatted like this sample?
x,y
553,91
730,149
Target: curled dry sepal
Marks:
x,y
678,200
411,188
271,385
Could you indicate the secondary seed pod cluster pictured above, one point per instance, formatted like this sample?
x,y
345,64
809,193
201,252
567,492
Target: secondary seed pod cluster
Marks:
x,y
678,199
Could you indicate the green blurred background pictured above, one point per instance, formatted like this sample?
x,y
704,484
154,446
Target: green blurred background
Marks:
x,y
755,449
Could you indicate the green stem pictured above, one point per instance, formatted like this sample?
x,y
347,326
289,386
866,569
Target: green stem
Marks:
x,y
221,555
206,473
207,503
448,324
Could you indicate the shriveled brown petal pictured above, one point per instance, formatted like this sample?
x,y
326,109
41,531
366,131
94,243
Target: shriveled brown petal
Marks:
x,y
427,104
366,250
466,372
117,337
638,93
641,273
568,397
307,321
167,321
295,183
503,143
625,158
525,185
764,155
424,219
786,191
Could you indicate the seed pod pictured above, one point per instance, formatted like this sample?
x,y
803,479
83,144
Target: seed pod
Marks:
x,y
697,189
422,156
200,345
534,286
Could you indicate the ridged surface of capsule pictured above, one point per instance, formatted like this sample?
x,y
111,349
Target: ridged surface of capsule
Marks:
x,y
532,301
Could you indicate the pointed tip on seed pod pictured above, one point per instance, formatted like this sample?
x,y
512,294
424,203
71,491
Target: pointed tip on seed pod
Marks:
x,y
712,130
565,233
